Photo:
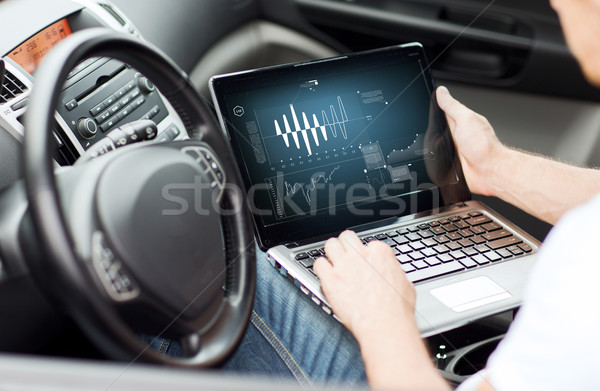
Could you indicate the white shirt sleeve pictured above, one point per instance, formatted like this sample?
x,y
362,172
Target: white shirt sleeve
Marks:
x,y
553,342
473,382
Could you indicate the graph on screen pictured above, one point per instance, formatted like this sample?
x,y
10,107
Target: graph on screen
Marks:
x,y
301,190
305,132
307,189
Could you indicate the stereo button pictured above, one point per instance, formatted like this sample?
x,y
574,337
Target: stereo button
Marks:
x,y
140,101
152,113
115,108
134,94
110,123
127,110
103,117
109,101
70,105
125,101
122,91
129,86
145,85
97,109
87,127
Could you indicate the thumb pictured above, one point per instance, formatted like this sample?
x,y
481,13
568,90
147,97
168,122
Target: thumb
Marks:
x,y
323,268
453,108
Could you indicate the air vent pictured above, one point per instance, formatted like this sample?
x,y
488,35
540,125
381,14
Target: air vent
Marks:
x,y
11,88
114,13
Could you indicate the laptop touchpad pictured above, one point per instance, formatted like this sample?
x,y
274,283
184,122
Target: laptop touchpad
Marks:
x,y
469,294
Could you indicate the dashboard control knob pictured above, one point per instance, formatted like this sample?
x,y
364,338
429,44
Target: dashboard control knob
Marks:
x,y
145,85
87,127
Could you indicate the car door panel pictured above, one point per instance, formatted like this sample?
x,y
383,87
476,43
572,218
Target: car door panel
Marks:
x,y
508,44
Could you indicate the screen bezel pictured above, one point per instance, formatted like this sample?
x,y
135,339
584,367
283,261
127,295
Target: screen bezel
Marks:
x,y
317,226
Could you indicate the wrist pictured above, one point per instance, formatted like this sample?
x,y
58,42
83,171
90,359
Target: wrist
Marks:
x,y
396,357
386,333
378,326
498,171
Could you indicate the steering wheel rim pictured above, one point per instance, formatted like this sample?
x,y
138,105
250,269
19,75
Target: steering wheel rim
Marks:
x,y
49,223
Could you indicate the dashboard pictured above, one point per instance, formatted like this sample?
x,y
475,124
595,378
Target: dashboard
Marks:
x,y
99,95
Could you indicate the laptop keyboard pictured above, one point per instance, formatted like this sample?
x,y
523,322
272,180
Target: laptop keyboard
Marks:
x,y
443,246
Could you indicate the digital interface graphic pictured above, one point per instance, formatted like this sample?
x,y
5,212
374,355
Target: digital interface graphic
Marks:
x,y
313,146
337,122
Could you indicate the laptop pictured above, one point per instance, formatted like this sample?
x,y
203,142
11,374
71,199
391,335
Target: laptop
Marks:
x,y
358,142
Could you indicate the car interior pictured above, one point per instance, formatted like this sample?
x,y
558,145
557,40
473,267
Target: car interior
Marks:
x,y
90,129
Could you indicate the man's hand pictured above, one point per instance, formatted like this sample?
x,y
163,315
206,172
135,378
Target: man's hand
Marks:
x,y
369,292
478,147
365,285
538,185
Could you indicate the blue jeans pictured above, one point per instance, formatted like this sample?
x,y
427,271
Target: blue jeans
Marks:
x,y
290,337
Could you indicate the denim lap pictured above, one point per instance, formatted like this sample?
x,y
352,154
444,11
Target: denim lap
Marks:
x,y
289,336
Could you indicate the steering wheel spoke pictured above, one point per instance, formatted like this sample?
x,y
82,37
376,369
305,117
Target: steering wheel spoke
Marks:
x,y
191,345
117,282
210,165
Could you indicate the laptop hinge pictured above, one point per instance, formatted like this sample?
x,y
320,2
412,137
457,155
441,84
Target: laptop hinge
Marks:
x,y
372,225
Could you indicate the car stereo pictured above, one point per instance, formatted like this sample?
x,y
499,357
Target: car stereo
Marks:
x,y
101,94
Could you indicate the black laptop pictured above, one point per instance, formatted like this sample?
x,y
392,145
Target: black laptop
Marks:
x,y
358,142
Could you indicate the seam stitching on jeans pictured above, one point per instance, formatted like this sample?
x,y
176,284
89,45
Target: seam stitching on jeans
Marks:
x,y
161,346
286,356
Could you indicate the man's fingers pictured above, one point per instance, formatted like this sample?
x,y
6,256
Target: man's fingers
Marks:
x,y
334,249
380,249
322,268
351,242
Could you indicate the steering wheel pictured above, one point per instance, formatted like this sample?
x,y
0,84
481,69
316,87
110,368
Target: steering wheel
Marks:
x,y
152,238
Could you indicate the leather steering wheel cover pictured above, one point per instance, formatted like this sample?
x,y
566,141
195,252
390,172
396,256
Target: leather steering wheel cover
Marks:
x,y
62,264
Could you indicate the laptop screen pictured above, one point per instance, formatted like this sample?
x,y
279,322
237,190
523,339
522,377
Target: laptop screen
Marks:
x,y
349,140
